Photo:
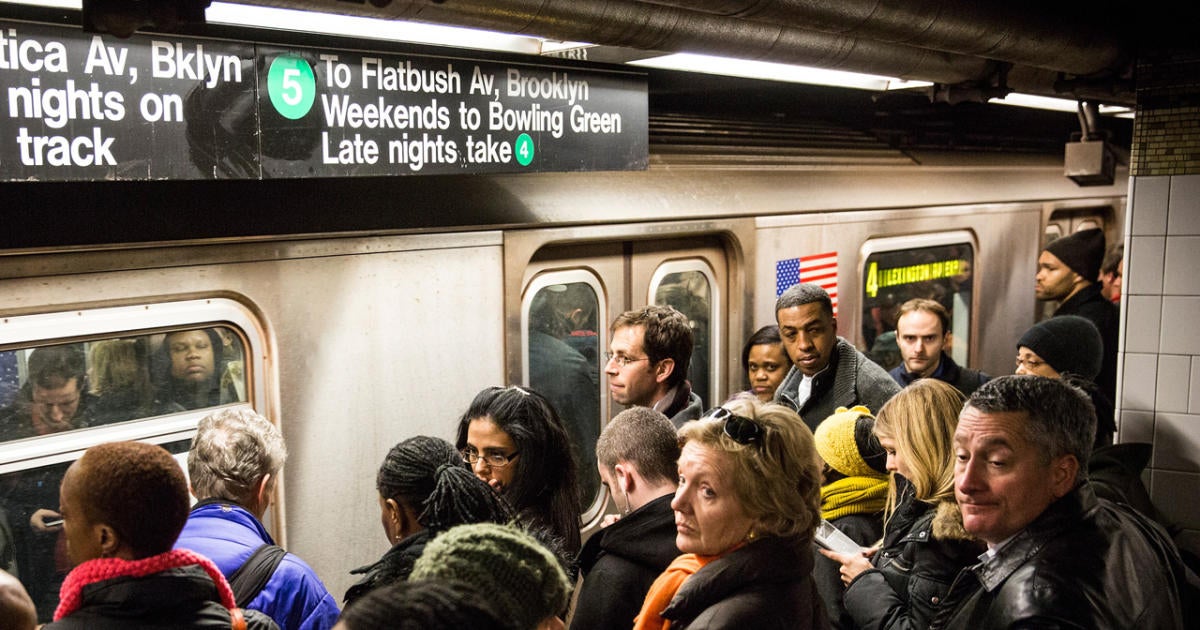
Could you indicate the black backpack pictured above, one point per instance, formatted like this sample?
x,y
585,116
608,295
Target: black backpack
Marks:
x,y
250,578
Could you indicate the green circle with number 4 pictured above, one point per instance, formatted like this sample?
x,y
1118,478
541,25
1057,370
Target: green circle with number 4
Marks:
x,y
291,85
524,148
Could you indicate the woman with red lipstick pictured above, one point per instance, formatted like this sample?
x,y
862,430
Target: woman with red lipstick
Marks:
x,y
747,504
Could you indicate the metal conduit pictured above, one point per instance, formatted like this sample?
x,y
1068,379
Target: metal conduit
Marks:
x,y
1013,33
657,27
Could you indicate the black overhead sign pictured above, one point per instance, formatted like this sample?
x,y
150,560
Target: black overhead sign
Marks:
x,y
79,106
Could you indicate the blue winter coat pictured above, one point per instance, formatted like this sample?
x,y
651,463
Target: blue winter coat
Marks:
x,y
228,534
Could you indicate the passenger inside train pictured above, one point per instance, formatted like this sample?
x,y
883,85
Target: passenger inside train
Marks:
x,y
191,370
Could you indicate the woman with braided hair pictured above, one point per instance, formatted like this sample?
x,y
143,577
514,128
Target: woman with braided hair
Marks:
x,y
424,489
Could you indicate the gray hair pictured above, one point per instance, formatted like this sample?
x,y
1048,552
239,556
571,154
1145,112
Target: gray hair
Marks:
x,y
232,451
801,294
1061,419
644,438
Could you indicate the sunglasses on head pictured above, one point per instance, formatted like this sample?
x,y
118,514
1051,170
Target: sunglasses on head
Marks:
x,y
740,429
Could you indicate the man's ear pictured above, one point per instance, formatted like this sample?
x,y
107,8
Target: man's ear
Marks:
x,y
663,370
1063,471
623,474
107,540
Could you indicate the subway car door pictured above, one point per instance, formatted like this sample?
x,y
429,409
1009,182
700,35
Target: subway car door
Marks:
x,y
567,293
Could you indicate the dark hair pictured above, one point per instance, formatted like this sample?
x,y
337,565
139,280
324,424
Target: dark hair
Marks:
x,y
544,486
801,294
1060,418
765,336
429,476
172,391
51,367
137,489
668,335
441,604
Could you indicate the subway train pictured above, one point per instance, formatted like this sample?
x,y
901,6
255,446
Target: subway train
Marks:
x,y
390,301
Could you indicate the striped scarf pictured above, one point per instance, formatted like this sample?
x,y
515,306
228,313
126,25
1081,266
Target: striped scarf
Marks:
x,y
853,495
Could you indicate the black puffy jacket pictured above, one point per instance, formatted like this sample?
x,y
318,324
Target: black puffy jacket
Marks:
x,y
184,598
765,585
913,568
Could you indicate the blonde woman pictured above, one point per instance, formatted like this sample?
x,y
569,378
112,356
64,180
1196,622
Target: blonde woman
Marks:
x,y
747,504
924,544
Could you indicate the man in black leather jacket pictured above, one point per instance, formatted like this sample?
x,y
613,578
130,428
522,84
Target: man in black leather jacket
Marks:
x,y
1058,557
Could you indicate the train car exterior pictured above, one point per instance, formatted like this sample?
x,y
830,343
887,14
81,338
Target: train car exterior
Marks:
x,y
353,337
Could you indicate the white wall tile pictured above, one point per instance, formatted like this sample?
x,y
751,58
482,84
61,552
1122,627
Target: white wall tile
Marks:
x,y
1183,205
1148,206
1181,263
1136,426
1180,325
1141,322
1144,266
1174,378
1140,379
1176,442
1169,491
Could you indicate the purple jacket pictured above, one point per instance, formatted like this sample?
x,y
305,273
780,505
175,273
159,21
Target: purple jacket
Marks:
x,y
227,534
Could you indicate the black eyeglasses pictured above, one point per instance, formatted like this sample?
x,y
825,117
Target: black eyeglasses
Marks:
x,y
740,429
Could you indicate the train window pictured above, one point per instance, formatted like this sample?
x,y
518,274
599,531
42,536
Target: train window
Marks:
x,y
563,345
75,379
938,267
65,387
688,285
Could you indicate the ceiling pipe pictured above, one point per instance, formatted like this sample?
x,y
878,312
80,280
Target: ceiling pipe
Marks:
x,y
657,27
1016,33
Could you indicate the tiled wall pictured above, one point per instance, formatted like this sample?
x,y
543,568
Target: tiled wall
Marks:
x,y
1160,382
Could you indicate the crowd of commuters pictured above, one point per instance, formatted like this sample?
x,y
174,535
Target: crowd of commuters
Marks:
x,y
965,501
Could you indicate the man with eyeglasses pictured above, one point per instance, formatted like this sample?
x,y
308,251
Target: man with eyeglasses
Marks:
x,y
649,352
53,399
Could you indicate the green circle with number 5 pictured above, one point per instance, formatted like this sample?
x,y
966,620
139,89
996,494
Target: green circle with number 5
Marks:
x,y
524,148
291,85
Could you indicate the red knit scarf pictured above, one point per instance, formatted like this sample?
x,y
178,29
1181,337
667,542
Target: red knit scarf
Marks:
x,y
100,569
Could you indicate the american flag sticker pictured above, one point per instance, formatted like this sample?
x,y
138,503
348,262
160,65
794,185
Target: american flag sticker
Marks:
x,y
820,269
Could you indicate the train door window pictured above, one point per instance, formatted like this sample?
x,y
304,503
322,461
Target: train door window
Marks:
x,y
937,267
81,378
563,348
689,286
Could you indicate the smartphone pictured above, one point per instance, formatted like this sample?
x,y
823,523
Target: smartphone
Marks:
x,y
52,522
833,539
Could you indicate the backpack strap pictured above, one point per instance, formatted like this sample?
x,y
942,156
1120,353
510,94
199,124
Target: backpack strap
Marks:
x,y
250,578
237,621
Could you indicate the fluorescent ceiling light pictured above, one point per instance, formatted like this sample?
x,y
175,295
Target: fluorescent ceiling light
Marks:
x,y
333,24
368,28
775,72
1057,104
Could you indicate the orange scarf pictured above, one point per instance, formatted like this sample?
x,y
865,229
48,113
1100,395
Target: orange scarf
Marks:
x,y
664,588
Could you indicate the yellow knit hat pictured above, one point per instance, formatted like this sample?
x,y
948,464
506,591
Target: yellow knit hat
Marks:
x,y
844,440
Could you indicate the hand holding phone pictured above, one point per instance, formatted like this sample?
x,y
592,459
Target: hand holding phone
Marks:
x,y
834,539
